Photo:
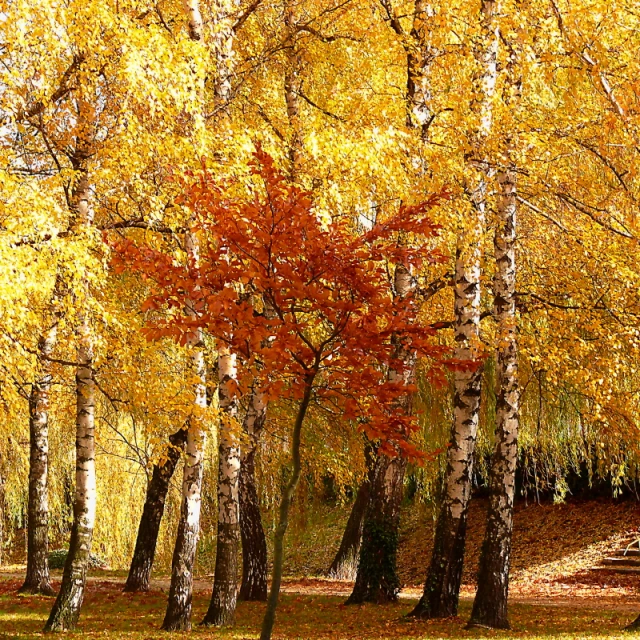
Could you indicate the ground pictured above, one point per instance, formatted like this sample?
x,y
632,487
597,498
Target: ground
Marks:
x,y
554,595
307,613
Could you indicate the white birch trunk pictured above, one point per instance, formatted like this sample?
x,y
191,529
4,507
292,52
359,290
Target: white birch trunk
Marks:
x,y
223,46
192,9
490,604
66,609
442,586
225,583
419,60
178,613
292,87
37,577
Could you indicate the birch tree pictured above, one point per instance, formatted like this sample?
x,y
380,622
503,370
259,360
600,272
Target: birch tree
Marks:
x,y
178,613
224,595
66,609
37,578
349,340
442,586
490,604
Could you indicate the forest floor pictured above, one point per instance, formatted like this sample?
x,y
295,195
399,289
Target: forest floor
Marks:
x,y
109,613
553,594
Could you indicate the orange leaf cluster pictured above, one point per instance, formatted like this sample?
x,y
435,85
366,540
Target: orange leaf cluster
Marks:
x,y
298,300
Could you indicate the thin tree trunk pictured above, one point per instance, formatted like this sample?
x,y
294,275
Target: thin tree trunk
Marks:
x,y
222,607
442,586
145,550
254,542
223,40
345,563
66,609
178,614
37,578
420,113
292,88
283,521
225,588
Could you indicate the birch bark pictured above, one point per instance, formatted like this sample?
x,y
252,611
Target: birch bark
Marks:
x,y
490,604
178,613
292,87
442,586
420,56
66,609
225,583
223,45
37,577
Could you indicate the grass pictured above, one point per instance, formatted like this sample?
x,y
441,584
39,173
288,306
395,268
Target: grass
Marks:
x,y
556,596
109,613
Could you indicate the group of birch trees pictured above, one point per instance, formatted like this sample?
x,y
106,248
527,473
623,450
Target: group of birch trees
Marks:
x,y
516,121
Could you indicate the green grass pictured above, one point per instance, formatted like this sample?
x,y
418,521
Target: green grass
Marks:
x,y
109,613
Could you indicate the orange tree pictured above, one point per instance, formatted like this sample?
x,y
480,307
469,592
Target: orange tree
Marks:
x,y
304,304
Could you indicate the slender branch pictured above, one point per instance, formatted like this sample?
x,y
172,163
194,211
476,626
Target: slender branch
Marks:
x,y
63,89
307,99
246,14
392,18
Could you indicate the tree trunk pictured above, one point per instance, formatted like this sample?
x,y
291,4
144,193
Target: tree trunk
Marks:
x,y
225,582
178,614
223,39
37,578
490,604
292,89
442,586
634,626
283,521
144,553
377,579
420,112
66,609
345,563
254,542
